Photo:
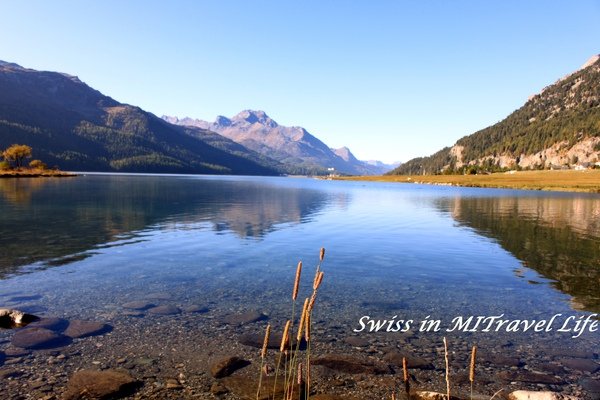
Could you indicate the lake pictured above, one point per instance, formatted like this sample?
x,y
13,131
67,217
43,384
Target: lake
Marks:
x,y
218,255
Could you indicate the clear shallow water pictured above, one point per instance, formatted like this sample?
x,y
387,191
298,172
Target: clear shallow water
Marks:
x,y
83,246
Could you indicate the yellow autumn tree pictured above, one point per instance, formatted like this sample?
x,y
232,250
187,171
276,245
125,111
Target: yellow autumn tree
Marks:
x,y
17,153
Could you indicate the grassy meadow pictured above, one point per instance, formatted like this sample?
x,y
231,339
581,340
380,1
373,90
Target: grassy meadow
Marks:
x,y
561,180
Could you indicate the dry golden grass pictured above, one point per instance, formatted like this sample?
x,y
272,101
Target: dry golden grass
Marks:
x,y
33,173
565,181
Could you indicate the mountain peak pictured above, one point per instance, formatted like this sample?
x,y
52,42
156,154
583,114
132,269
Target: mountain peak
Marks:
x,y
255,117
7,64
591,61
222,121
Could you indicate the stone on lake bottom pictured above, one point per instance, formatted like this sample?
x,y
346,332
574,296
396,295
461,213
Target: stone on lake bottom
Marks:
x,y
529,377
88,384
256,340
53,324
351,364
591,385
243,318
15,352
412,362
580,364
164,310
428,395
15,319
545,395
356,341
218,388
138,305
247,389
39,338
227,366
80,329
196,309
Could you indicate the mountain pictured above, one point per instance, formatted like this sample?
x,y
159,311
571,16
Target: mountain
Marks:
x,y
71,125
294,146
556,128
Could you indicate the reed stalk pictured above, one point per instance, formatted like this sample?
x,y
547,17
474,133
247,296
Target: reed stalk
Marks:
x,y
472,368
406,378
447,368
263,354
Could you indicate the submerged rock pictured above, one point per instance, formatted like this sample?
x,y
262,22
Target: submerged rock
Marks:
x,y
15,352
15,319
428,395
196,309
591,385
529,377
412,362
531,395
356,341
53,324
580,364
138,305
247,389
227,366
351,364
39,338
243,318
107,384
164,310
80,329
256,340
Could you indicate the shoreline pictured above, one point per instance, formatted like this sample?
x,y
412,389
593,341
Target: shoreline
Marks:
x,y
586,181
35,174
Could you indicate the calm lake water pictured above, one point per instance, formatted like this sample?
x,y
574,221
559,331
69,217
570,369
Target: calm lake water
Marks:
x,y
81,247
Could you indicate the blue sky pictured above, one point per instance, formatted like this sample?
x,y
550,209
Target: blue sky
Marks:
x,y
391,80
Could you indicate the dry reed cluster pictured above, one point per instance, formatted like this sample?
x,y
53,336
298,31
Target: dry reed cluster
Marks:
x,y
293,375
290,372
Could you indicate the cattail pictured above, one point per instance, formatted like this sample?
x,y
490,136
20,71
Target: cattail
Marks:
x,y
299,373
297,281
472,367
311,303
263,353
322,254
284,338
307,327
393,395
302,319
447,368
316,274
404,369
318,280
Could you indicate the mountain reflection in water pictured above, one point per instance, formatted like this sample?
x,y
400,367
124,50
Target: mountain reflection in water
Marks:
x,y
558,237
56,220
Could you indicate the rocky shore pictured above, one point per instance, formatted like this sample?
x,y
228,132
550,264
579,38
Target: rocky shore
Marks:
x,y
158,348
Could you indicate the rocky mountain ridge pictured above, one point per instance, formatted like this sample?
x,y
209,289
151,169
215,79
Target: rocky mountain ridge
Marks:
x,y
556,128
291,145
